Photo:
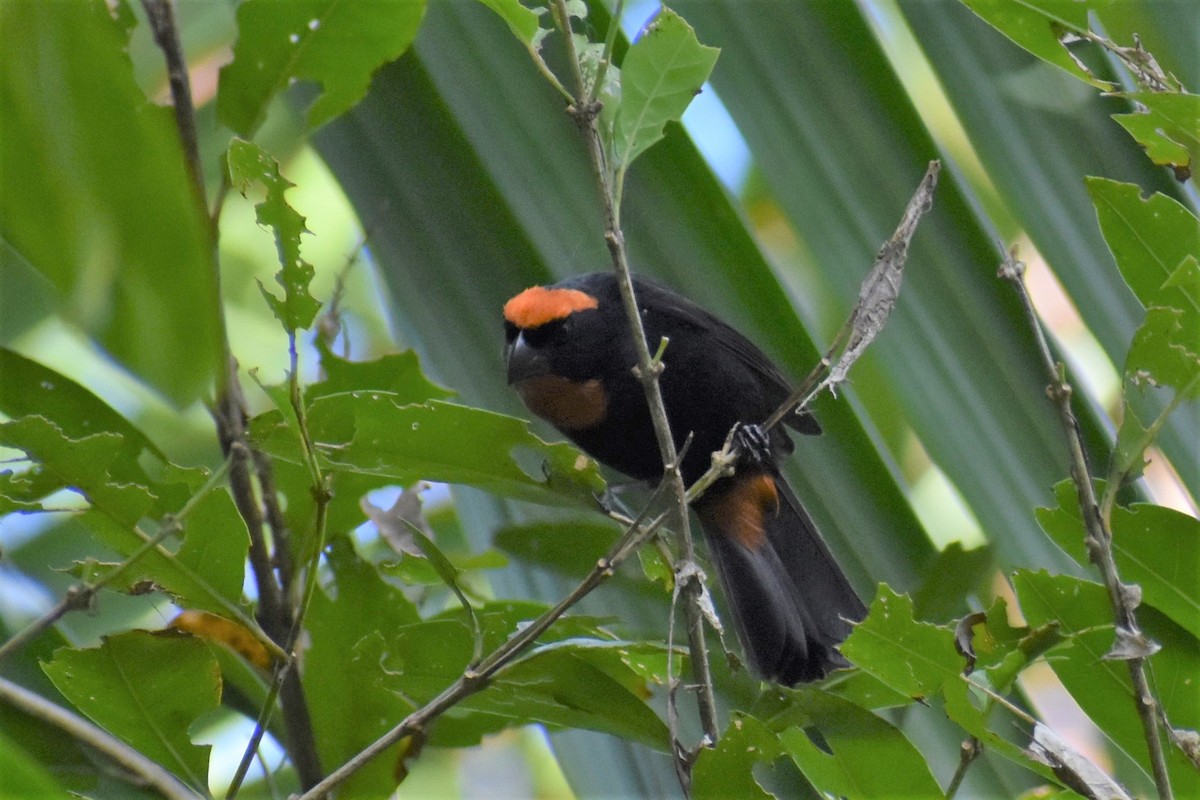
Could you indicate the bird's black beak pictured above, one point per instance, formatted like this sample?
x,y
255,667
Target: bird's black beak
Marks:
x,y
524,362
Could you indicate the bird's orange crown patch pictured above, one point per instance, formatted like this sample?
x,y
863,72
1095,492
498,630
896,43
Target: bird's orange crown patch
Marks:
x,y
538,305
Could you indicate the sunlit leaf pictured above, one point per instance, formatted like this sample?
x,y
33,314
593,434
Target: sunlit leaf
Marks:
x,y
663,70
1168,127
1150,238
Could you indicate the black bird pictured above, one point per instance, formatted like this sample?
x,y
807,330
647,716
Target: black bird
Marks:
x,y
570,357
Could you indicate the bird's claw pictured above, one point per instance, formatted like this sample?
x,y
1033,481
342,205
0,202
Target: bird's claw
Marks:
x,y
753,442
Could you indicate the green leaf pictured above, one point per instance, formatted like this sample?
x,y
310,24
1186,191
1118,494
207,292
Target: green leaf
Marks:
x,y
1164,353
147,689
1038,26
914,658
571,548
373,433
23,491
215,544
27,387
94,194
726,770
1168,126
449,575
1151,239
1155,547
919,660
955,573
23,775
1101,686
348,627
523,22
335,44
249,164
85,464
397,373
1159,549
663,70
206,574
856,742
577,684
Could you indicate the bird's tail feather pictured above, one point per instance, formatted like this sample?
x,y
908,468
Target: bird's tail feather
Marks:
x,y
791,602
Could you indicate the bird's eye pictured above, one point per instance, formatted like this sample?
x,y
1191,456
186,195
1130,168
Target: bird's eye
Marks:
x,y
536,337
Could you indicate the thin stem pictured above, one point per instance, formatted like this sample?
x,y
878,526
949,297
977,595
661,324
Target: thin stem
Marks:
x,y
648,372
80,596
1098,536
971,750
146,771
610,42
161,16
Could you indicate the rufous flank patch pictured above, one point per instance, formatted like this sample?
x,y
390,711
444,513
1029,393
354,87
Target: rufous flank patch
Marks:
x,y
538,305
741,513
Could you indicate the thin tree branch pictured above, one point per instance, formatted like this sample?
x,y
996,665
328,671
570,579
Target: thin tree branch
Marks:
x,y
79,596
648,369
274,612
1131,645
147,772
477,677
876,298
161,15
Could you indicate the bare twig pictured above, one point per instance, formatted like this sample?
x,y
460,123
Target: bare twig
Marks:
x,y
144,770
161,15
971,749
1131,644
876,298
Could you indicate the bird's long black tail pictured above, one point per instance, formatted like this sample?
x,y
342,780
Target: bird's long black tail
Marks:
x,y
791,602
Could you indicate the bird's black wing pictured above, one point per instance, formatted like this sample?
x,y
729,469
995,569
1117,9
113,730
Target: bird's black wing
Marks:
x,y
775,384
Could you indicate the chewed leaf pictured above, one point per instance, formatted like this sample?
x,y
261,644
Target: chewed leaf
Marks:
x,y
338,45
1164,352
248,164
1166,127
